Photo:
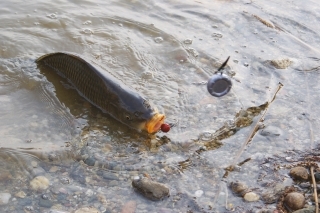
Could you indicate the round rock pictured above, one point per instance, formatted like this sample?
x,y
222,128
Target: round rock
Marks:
x,y
4,198
251,197
299,173
151,189
39,183
239,188
294,201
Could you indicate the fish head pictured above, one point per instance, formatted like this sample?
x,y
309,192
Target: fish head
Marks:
x,y
139,114
154,124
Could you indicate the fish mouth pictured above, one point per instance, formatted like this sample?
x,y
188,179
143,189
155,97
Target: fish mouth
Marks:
x,y
154,124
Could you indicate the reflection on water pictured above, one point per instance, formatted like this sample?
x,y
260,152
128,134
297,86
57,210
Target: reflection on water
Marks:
x,y
166,51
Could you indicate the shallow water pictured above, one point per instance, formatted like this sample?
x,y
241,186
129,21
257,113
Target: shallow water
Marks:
x,y
166,51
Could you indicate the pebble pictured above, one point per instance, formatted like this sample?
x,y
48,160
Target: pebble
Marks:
x,y
110,176
113,183
198,193
5,175
239,188
271,131
34,164
150,189
39,183
308,209
45,203
54,169
294,201
87,210
281,63
251,197
317,176
129,207
20,194
4,198
299,173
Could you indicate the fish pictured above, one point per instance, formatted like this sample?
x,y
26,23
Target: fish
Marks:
x,y
103,90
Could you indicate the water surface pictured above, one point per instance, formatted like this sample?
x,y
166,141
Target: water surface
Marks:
x,y
166,51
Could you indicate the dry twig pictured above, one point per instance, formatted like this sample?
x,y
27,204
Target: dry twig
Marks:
x,y
314,189
254,130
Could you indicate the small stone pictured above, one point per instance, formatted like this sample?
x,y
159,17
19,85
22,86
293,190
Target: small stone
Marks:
x,y
281,63
308,209
87,210
113,183
299,173
239,188
294,201
317,176
34,164
90,161
198,193
271,131
39,183
251,197
110,176
45,203
151,189
20,194
129,207
4,198
5,175
54,169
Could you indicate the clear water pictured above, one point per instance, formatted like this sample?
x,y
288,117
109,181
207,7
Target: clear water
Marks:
x,y
166,51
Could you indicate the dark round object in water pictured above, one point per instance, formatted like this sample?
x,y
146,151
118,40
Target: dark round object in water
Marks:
x,y
165,127
219,85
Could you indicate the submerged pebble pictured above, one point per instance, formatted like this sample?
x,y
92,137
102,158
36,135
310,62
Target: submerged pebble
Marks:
x,y
308,209
39,183
151,189
129,207
281,63
271,131
20,194
45,203
4,198
239,188
198,193
251,197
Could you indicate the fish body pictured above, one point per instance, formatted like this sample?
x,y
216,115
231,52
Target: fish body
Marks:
x,y
105,91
